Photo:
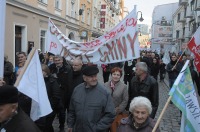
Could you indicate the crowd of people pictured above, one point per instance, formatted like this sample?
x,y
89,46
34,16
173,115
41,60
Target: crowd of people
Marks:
x,y
79,100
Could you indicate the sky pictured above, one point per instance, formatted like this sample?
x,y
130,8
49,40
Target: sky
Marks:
x,y
146,7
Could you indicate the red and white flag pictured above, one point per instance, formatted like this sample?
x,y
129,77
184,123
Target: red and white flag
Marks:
x,y
194,46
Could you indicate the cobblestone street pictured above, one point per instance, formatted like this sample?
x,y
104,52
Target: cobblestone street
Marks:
x,y
171,118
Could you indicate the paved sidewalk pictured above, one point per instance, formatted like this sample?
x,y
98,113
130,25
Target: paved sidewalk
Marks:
x,y
171,118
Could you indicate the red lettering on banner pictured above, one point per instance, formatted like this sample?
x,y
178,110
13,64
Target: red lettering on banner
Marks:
x,y
103,56
88,57
197,64
132,42
53,45
122,48
110,49
121,29
131,22
194,48
92,44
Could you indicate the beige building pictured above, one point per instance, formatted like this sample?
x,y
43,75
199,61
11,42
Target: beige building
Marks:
x,y
27,21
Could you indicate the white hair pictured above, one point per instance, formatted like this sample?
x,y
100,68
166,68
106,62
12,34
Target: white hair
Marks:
x,y
142,66
140,102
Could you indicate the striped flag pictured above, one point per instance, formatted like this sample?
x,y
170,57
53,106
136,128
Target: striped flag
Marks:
x,y
184,97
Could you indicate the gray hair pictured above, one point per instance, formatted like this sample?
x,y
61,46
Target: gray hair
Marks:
x,y
142,66
58,56
140,101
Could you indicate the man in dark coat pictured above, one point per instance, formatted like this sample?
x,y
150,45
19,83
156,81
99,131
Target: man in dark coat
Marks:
x,y
12,118
91,106
64,75
77,74
144,85
173,69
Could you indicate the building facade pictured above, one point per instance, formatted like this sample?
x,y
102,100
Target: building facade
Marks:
x,y
187,17
79,20
162,26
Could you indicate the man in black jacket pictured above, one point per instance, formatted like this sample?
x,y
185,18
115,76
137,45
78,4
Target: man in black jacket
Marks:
x,y
64,74
144,85
12,118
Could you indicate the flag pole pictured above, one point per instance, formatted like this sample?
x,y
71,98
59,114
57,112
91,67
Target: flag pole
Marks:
x,y
25,67
168,100
161,114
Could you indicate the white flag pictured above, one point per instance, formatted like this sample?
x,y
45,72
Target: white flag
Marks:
x,y
2,35
32,84
166,58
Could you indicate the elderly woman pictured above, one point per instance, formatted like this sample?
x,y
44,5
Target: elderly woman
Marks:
x,y
119,93
139,120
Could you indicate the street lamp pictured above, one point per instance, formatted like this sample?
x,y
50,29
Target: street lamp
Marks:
x,y
141,18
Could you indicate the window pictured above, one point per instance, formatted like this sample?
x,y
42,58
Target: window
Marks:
x,y
72,10
192,5
179,17
88,18
95,22
42,40
58,4
177,34
43,1
83,13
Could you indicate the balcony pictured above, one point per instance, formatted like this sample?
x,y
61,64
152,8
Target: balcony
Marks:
x,y
181,17
183,2
197,8
189,13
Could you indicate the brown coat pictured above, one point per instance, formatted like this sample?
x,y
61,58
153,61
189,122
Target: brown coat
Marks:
x,y
127,125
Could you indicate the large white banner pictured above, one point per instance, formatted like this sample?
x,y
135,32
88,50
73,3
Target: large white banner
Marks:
x,y
120,44
2,35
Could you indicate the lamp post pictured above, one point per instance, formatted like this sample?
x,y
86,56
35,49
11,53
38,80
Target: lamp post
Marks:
x,y
141,18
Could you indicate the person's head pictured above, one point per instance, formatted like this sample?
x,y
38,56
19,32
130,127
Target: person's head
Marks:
x,y
154,60
58,60
141,68
141,108
77,64
173,57
116,74
143,54
90,75
188,57
51,59
8,102
153,55
45,70
21,58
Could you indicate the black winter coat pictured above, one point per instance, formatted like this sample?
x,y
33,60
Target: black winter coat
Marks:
x,y
64,75
20,123
154,69
147,88
173,74
53,92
